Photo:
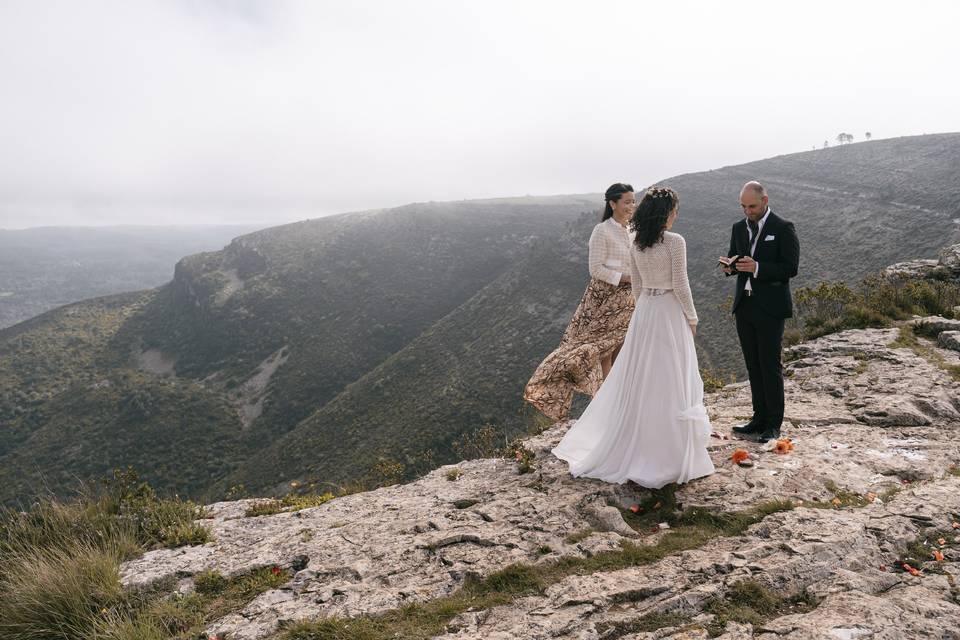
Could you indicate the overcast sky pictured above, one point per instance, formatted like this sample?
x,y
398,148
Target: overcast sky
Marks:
x,y
189,111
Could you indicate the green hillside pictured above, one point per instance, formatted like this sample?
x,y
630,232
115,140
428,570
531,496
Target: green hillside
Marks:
x,y
313,351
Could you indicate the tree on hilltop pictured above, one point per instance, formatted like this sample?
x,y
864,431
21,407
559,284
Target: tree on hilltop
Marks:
x,y
867,135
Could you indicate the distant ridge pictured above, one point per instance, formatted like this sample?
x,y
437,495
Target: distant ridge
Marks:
x,y
315,351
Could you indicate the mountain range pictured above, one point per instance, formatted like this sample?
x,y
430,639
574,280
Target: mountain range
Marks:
x,y
319,351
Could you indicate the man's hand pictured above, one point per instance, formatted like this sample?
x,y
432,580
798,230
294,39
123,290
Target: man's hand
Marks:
x,y
746,264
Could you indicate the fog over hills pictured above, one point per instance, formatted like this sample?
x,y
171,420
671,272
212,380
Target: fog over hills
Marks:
x,y
45,267
313,351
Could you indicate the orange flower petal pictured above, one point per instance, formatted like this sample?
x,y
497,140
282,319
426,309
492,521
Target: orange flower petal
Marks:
x,y
941,541
937,555
871,496
739,456
635,508
783,446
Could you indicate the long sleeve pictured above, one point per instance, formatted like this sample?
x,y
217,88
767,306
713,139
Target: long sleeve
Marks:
x,y
681,285
598,254
636,281
790,250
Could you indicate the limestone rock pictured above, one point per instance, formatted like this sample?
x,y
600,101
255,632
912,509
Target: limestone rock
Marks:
x,y
950,258
863,417
911,268
935,324
949,340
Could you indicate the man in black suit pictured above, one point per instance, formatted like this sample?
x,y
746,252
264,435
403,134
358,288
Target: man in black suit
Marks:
x,y
769,254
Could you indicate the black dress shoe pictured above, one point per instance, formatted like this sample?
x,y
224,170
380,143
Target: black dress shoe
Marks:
x,y
768,435
751,427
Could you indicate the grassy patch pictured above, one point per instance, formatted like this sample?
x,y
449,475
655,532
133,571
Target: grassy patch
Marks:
x,y
748,601
647,623
842,497
59,562
425,620
291,502
454,474
922,552
908,340
579,536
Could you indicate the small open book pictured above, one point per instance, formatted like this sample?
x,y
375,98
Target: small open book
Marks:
x,y
728,262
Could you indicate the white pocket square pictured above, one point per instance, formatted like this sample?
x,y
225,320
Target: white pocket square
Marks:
x,y
769,238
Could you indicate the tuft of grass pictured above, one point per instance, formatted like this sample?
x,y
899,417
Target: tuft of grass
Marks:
x,y
182,534
908,340
263,508
714,380
454,474
464,503
841,498
644,624
209,582
919,553
59,562
748,601
579,536
59,592
290,503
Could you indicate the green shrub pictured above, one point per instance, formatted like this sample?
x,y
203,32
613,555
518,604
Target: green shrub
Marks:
x,y
485,442
519,453
876,302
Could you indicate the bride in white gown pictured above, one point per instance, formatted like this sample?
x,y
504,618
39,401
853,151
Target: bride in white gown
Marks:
x,y
647,422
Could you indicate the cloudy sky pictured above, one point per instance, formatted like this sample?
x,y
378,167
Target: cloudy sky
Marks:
x,y
266,111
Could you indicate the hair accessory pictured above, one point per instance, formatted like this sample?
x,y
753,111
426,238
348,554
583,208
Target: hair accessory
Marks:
x,y
660,192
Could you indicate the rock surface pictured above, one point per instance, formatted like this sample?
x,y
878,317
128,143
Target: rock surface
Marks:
x,y
863,416
949,340
912,268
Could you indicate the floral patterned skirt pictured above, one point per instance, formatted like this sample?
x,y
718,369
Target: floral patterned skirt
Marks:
x,y
598,327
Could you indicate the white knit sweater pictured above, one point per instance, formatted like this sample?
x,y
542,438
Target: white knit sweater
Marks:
x,y
609,251
663,266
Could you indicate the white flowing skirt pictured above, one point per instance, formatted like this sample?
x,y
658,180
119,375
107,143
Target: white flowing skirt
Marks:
x,y
647,423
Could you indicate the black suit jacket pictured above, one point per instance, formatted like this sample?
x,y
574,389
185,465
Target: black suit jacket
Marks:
x,y
778,254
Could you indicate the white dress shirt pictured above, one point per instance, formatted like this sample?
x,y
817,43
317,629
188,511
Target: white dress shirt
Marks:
x,y
753,246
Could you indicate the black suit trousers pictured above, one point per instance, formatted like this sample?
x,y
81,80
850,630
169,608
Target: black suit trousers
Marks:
x,y
761,339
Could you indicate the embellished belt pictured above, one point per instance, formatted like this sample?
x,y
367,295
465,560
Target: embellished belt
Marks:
x,y
654,292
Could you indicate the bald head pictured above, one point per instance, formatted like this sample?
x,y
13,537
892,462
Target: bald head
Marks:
x,y
754,200
755,187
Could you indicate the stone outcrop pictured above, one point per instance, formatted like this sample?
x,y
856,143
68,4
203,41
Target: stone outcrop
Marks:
x,y
865,416
947,265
